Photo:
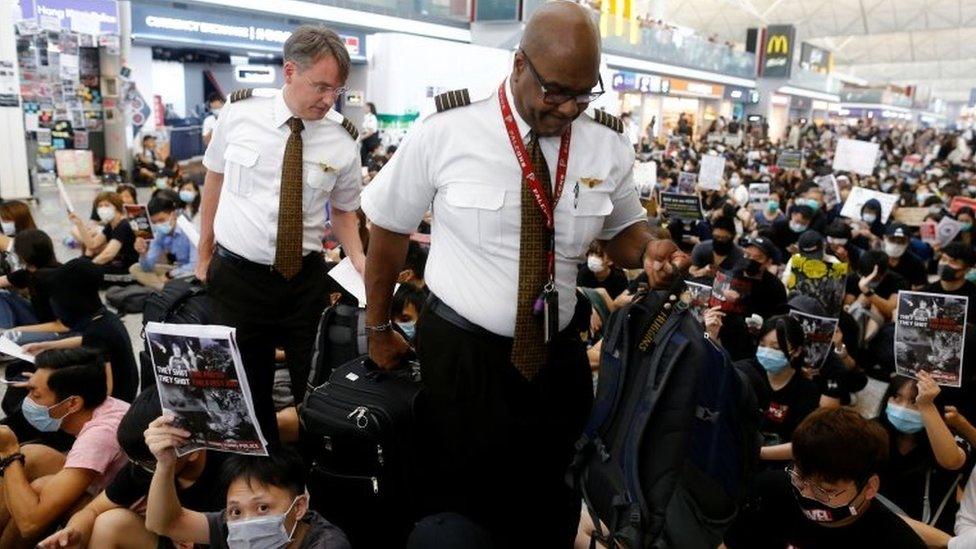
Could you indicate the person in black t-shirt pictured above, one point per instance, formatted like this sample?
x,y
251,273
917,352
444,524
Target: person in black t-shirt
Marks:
x,y
36,251
718,254
114,247
826,498
872,290
108,520
957,259
600,272
902,261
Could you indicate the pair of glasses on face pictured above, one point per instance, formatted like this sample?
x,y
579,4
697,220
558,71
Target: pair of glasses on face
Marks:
x,y
820,494
324,89
551,97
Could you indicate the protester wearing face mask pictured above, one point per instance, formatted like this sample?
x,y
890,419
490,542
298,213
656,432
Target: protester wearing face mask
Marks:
x,y
771,213
15,216
787,232
600,272
759,254
216,102
869,229
922,472
113,248
67,393
812,196
826,497
874,288
407,303
190,196
902,261
840,244
169,240
956,261
965,216
267,504
719,253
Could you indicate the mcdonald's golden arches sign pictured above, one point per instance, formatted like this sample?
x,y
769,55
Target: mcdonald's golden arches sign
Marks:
x,y
777,52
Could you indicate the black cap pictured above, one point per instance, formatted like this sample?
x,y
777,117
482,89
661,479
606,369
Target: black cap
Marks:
x,y
810,242
766,246
898,230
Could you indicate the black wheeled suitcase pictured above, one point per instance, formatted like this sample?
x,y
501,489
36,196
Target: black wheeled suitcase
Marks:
x,y
359,431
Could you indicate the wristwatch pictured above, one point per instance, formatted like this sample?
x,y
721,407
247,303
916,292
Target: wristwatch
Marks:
x,y
9,460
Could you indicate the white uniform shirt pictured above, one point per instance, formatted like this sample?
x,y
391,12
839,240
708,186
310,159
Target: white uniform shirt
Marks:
x,y
248,146
462,161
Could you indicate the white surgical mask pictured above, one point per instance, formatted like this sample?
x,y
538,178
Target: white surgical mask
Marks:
x,y
595,263
266,532
895,250
9,228
106,213
836,241
869,217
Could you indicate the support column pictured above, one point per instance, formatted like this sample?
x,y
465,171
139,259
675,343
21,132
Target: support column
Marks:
x,y
14,177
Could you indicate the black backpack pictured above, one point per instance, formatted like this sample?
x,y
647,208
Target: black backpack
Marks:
x,y
359,432
181,301
673,437
341,338
128,299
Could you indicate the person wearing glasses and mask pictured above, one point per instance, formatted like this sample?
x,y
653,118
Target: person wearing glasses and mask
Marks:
x,y
507,399
276,158
827,497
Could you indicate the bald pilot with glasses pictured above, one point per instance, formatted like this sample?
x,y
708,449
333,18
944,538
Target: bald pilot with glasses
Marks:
x,y
521,182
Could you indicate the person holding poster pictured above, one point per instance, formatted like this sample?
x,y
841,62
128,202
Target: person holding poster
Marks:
x,y
872,291
902,261
957,259
719,253
869,229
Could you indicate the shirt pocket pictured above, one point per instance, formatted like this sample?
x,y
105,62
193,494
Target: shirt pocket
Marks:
x,y
319,178
478,215
589,211
239,163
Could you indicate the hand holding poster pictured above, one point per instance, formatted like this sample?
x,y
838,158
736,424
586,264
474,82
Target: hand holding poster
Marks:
x,y
63,193
686,182
731,293
946,230
790,160
819,334
201,382
682,206
859,196
699,294
930,336
855,156
712,172
828,184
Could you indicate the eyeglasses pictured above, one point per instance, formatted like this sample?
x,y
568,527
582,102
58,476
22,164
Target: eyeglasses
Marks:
x,y
820,494
322,89
555,98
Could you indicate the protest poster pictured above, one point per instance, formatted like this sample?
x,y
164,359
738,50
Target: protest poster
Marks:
x,y
913,217
682,206
855,156
63,194
731,293
712,172
687,182
790,159
699,294
828,184
645,178
74,165
201,382
825,282
946,230
758,196
961,202
138,217
930,336
928,232
818,332
859,195
911,165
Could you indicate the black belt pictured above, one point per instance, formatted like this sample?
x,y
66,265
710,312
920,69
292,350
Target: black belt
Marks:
x,y
241,261
443,310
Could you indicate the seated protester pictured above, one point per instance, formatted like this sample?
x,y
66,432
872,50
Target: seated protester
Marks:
x,y
128,194
148,164
266,499
408,301
113,248
925,462
791,395
811,245
869,229
76,303
415,266
36,251
759,255
826,498
900,260
965,216
956,261
840,243
811,195
15,218
169,242
787,231
115,517
68,393
600,272
771,213
873,288
718,254
190,196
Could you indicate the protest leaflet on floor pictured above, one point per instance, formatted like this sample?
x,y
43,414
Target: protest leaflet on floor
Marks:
x,y
202,383
930,336
819,336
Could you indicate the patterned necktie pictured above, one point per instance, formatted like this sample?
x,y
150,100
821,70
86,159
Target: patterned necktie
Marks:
x,y
529,348
288,251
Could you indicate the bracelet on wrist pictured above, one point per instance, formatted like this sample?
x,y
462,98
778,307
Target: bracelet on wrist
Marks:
x,y
9,460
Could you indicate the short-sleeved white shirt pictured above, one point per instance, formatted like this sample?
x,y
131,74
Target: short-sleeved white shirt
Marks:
x,y
461,160
247,147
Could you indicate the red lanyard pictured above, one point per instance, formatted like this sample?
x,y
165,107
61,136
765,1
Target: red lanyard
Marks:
x,y
547,206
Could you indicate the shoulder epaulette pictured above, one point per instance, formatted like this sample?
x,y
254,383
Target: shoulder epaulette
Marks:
x,y
452,99
349,127
603,117
240,95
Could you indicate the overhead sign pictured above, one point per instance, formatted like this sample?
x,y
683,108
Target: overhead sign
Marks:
x,y
778,51
625,81
816,59
86,17
224,29
254,74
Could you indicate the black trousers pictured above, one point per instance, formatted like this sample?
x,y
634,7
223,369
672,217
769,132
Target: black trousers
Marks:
x,y
269,311
498,446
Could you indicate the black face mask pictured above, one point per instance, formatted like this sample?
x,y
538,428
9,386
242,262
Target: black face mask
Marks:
x,y
753,268
722,247
822,513
948,273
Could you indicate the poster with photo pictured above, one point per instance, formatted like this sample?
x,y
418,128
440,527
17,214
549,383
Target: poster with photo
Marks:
x,y
731,293
687,182
700,294
138,217
818,332
825,282
828,184
930,336
201,382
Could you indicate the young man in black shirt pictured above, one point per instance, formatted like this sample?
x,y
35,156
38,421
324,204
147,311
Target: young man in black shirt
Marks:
x,y
874,287
957,259
902,261
826,498
600,272
107,520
